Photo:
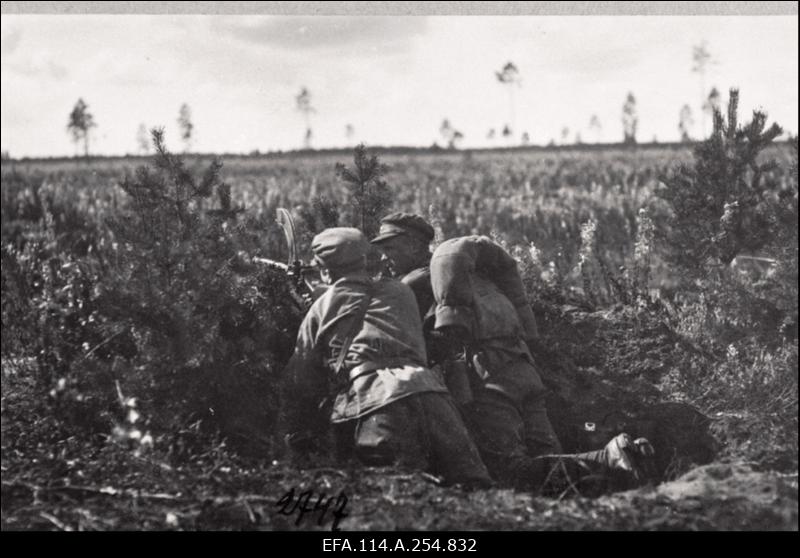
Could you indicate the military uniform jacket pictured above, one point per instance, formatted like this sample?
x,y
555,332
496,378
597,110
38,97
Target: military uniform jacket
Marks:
x,y
438,348
477,286
389,345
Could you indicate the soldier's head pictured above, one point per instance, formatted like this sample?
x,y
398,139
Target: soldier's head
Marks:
x,y
404,239
339,251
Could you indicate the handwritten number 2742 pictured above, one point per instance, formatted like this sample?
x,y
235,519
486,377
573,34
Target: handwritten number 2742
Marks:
x,y
302,505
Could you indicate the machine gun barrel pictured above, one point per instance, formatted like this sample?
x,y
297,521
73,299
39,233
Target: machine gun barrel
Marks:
x,y
266,261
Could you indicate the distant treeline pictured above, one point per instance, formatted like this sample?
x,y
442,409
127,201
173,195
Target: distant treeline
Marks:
x,y
382,150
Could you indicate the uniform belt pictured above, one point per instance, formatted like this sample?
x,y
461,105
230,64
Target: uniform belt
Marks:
x,y
367,367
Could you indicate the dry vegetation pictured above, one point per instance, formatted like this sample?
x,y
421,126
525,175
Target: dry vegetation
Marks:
x,y
141,345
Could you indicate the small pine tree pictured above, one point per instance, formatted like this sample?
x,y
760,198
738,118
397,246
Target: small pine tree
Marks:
x,y
323,213
370,196
327,210
719,208
206,320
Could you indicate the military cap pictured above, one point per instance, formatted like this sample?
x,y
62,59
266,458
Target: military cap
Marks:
x,y
397,224
340,248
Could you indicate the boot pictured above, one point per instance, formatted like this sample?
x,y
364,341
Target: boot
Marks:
x,y
621,454
592,473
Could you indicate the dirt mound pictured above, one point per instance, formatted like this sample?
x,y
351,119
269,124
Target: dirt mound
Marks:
x,y
604,370
768,440
720,496
56,479
724,496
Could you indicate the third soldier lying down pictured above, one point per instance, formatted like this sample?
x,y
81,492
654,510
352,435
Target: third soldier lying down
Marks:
x,y
479,329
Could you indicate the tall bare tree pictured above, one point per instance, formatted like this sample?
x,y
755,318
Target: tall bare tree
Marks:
x,y
712,102
446,130
509,77
630,119
143,139
303,102
685,123
596,127
80,124
450,135
456,139
185,126
701,60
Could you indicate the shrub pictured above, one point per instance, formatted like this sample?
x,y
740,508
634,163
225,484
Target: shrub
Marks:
x,y
742,317
729,205
367,192
721,205
780,284
162,307
210,328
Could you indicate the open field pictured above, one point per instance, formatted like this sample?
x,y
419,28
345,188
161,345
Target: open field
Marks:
x,y
72,354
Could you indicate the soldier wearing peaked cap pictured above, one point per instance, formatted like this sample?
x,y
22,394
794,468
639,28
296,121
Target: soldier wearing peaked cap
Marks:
x,y
404,240
404,224
361,348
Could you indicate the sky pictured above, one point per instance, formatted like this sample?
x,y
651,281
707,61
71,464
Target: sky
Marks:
x,y
394,79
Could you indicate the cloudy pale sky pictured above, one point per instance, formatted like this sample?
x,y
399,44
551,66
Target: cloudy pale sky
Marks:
x,y
394,79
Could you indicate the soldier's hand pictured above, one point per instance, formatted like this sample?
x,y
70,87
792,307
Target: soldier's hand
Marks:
x,y
644,447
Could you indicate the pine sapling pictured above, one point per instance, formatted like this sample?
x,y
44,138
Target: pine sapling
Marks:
x,y
322,214
719,204
370,196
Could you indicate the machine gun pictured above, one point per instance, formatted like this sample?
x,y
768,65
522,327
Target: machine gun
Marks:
x,y
305,281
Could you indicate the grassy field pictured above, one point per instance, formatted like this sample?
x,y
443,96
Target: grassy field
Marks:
x,y
77,344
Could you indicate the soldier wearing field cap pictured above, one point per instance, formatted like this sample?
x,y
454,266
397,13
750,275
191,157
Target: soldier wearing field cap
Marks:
x,y
481,327
360,364
404,240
